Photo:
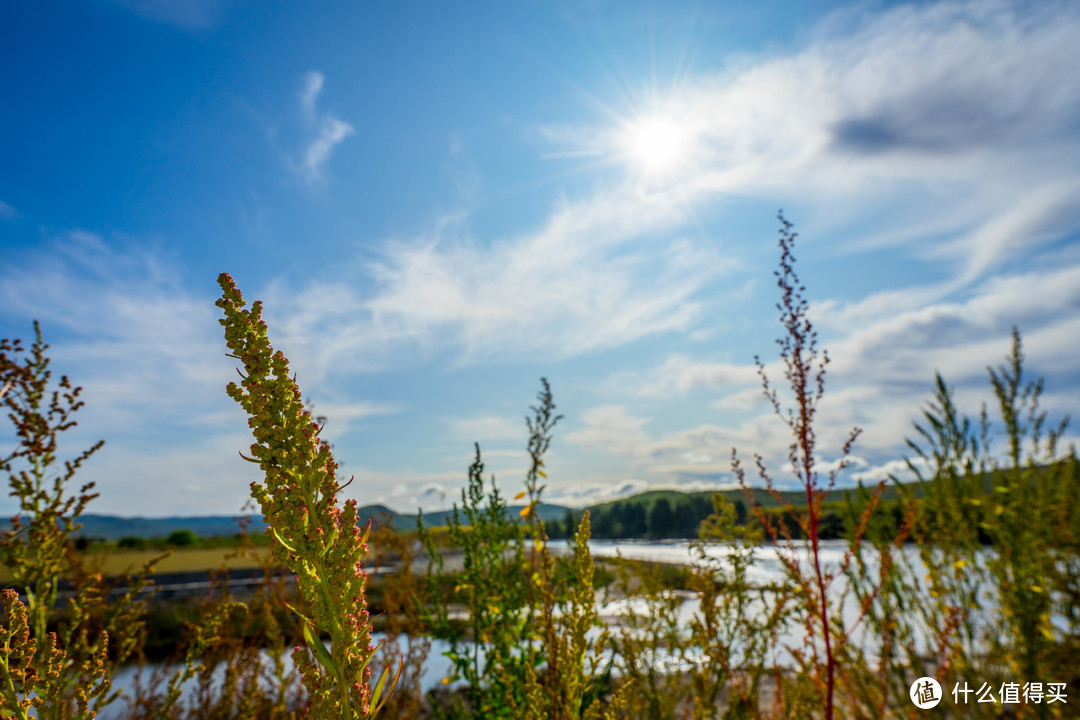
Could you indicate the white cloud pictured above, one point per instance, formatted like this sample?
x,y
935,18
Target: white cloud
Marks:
x,y
585,493
1039,216
958,337
7,212
879,380
151,359
204,476
575,286
742,400
324,131
610,428
407,492
551,292
898,469
339,415
187,14
679,375
957,110
867,115
957,117
313,84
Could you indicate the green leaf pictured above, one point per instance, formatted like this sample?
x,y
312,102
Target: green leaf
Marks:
x,y
281,540
377,692
321,653
330,541
304,618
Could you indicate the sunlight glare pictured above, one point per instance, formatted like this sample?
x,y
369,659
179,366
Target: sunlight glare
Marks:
x,y
657,144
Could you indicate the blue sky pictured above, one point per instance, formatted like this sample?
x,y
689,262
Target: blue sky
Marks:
x,y
439,205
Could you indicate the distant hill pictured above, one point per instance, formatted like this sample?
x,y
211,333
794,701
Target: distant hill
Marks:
x,y
669,514
111,527
545,511
762,498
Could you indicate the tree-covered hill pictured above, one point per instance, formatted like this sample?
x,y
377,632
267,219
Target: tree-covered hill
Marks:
x,y
651,514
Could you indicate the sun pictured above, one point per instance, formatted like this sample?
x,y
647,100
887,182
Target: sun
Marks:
x,y
656,139
656,145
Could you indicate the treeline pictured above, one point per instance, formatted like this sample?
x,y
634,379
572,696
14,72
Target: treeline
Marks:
x,y
635,518
680,517
661,515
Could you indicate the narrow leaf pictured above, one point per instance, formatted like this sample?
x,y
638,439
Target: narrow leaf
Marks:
x,y
321,653
281,540
298,613
379,687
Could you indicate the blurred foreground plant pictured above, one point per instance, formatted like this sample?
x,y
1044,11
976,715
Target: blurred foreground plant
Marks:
x,y
827,658
532,649
315,538
994,576
66,673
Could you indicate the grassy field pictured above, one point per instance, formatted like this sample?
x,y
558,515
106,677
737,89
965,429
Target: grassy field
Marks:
x,y
119,562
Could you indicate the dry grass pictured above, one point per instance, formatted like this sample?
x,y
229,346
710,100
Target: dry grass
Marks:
x,y
188,560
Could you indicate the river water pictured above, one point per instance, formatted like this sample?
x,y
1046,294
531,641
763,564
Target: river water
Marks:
x,y
767,567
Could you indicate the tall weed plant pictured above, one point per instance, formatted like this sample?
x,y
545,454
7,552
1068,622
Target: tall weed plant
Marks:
x,y
318,540
993,579
531,643
823,658
54,666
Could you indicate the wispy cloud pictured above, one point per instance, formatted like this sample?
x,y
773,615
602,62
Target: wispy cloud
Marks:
x,y
7,212
679,374
187,14
324,131
340,415
149,355
578,284
957,110
612,429
905,109
584,493
557,291
879,380
947,129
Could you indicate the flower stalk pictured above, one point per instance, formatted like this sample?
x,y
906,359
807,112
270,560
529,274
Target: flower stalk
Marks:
x,y
318,540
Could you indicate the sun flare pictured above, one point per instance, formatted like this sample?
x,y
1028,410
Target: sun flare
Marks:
x,y
657,144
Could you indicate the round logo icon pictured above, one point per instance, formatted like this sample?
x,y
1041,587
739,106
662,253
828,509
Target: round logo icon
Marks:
x,y
925,693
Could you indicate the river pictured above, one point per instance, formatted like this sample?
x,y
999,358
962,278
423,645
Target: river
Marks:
x,y
767,567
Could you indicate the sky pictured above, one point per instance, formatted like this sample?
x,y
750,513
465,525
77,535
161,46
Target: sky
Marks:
x,y
439,204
